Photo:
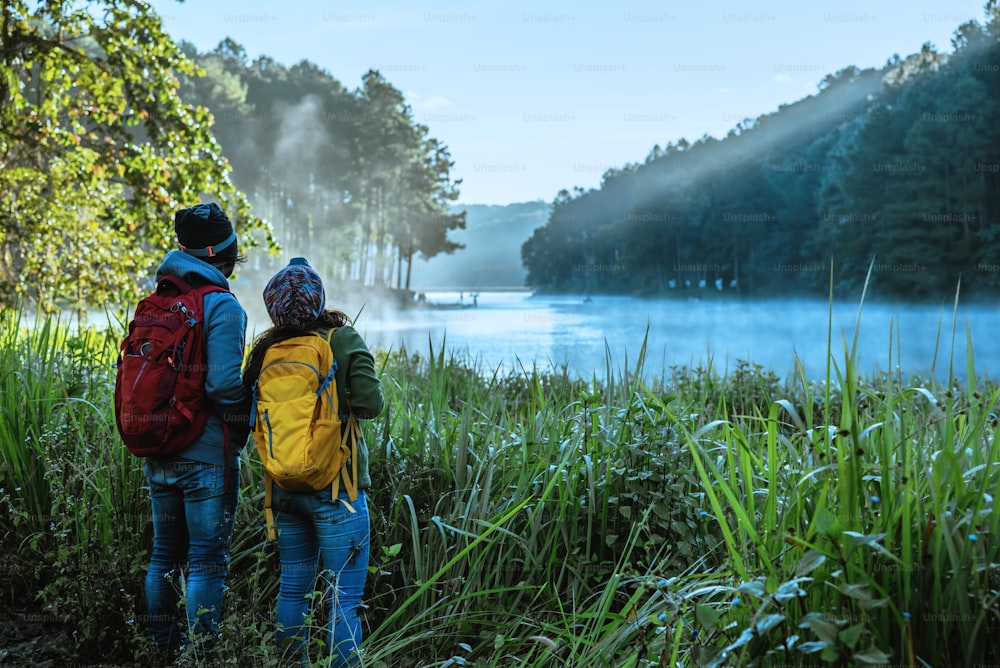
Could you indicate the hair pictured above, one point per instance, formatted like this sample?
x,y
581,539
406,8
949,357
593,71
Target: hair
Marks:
x,y
225,258
227,262
326,320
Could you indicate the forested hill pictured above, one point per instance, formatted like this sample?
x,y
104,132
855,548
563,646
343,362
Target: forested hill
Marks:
x,y
899,165
346,177
492,241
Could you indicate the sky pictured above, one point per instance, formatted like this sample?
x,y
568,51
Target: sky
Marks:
x,y
532,98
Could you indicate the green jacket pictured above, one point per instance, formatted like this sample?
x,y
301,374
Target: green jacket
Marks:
x,y
357,385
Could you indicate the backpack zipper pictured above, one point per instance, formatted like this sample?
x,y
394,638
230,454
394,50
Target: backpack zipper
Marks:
x,y
142,370
270,434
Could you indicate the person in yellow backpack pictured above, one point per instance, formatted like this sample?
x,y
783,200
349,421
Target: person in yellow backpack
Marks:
x,y
313,526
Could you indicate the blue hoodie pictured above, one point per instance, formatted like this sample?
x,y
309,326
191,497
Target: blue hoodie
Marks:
x,y
225,337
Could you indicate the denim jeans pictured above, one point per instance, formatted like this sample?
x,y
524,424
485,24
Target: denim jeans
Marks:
x,y
311,526
193,513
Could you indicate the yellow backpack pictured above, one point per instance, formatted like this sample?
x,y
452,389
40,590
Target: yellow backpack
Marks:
x,y
297,424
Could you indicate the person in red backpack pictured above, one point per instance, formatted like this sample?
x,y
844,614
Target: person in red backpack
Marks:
x,y
194,493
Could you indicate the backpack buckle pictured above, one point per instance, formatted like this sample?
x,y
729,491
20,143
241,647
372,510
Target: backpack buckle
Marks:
x,y
190,320
175,356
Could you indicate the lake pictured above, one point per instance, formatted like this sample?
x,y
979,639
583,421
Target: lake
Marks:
x,y
508,329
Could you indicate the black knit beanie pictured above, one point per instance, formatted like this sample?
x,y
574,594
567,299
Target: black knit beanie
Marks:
x,y
205,232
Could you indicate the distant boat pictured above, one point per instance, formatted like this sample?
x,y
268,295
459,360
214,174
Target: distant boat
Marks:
x,y
460,304
440,306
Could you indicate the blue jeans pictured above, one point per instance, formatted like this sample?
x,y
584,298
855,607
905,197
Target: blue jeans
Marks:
x,y
193,513
310,526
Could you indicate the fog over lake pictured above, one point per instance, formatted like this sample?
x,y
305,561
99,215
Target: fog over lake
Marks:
x,y
506,329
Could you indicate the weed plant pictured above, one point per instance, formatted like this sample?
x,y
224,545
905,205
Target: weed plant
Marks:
x,y
536,519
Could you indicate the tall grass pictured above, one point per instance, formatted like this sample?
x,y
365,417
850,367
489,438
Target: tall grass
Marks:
x,y
72,496
865,540
535,519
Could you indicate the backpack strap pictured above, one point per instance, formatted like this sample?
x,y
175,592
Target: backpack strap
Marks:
x,y
176,282
203,290
328,338
350,482
183,287
353,433
268,511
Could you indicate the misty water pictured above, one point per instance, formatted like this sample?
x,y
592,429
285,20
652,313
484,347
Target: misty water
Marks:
x,y
513,329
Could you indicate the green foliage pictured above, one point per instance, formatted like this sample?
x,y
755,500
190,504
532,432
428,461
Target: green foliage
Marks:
x,y
537,519
99,96
98,151
61,468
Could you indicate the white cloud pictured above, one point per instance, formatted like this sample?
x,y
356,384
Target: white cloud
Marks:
x,y
782,78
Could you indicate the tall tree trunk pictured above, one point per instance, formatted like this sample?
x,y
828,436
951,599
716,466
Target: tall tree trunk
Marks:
x,y
380,222
399,268
366,231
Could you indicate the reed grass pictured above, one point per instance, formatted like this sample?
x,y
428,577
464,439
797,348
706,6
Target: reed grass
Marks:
x,y
532,518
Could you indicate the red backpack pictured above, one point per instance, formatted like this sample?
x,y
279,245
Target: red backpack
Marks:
x,y
160,401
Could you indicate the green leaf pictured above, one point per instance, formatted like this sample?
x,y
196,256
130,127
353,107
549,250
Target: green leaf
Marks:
x,y
821,626
810,562
873,656
830,654
713,657
662,510
875,603
745,637
825,522
858,592
852,634
791,589
768,622
813,646
859,539
754,588
707,616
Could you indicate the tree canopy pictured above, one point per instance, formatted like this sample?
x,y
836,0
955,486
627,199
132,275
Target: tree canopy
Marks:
x,y
107,127
97,151
896,168
345,176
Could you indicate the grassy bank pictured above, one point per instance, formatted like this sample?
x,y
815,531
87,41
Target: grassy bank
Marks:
x,y
533,519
